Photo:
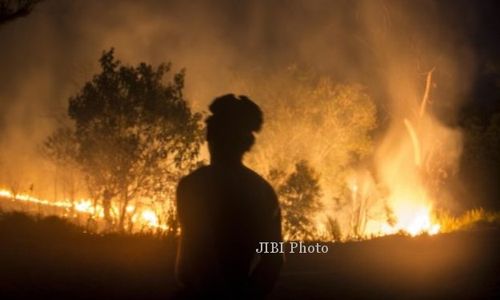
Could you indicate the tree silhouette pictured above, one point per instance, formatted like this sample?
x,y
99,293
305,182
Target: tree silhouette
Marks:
x,y
134,135
299,196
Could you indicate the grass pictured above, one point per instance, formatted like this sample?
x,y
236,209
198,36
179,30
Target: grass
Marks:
x,y
470,219
47,257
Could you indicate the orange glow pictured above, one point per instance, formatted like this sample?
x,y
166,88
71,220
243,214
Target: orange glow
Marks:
x,y
147,218
403,172
414,141
415,220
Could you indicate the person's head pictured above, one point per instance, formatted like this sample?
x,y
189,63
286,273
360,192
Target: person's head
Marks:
x,y
231,126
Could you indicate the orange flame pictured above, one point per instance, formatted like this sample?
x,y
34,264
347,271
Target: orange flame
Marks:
x,y
147,217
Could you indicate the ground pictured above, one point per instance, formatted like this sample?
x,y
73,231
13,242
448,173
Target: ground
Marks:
x,y
51,259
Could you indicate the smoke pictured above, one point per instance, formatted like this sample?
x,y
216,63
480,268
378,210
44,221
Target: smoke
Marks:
x,y
387,46
426,69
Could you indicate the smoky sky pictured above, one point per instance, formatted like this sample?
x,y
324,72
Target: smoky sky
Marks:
x,y
62,40
47,56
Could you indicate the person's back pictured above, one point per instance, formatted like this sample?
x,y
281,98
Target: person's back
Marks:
x,y
226,209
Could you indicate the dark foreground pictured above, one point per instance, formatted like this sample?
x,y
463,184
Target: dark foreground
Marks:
x,y
49,259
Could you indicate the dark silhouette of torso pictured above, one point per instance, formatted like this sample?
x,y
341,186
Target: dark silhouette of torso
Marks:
x,y
225,210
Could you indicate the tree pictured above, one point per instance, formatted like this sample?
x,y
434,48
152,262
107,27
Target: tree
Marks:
x,y
299,196
314,118
134,134
61,148
11,10
311,117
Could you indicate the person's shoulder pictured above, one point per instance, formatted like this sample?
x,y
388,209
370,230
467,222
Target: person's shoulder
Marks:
x,y
260,181
199,174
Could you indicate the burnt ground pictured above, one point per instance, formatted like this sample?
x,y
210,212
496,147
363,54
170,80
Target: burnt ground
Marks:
x,y
51,259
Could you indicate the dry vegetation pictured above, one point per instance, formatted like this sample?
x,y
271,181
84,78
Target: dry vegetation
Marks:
x,y
48,257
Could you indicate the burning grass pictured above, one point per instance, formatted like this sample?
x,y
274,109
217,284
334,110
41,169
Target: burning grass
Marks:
x,y
83,212
469,219
81,216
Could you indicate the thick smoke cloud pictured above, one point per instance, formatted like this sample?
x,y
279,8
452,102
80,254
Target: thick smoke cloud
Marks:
x,y
45,57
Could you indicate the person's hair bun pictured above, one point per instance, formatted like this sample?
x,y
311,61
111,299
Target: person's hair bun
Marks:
x,y
239,112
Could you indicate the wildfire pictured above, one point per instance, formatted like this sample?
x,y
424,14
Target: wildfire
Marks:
x,y
410,202
27,198
150,217
414,221
84,206
402,199
404,163
411,214
146,218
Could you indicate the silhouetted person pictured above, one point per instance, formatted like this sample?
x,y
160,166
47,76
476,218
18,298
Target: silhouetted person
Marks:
x,y
225,210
